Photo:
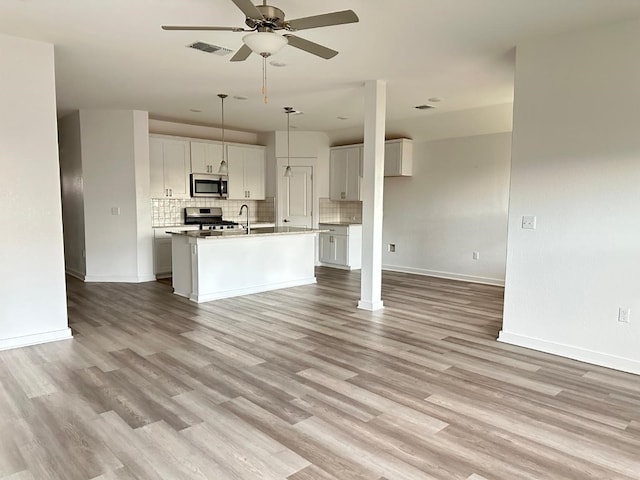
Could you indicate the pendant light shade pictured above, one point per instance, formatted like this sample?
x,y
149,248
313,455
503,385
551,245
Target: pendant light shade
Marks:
x,y
265,43
223,168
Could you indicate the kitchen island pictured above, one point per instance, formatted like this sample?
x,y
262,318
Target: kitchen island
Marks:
x,y
213,264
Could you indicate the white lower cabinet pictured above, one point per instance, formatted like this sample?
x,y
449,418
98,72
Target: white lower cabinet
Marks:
x,y
162,249
341,246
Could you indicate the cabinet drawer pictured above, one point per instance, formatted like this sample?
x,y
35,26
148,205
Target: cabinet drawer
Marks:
x,y
335,229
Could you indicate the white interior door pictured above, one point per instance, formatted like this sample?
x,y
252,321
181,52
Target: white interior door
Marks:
x,y
296,199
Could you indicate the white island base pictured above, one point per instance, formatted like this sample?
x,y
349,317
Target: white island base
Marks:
x,y
211,267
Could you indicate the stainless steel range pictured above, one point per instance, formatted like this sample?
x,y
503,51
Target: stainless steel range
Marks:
x,y
209,218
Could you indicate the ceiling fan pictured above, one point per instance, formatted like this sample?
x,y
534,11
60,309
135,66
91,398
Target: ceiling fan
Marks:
x,y
264,20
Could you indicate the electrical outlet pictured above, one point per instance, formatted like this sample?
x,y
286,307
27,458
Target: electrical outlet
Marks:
x,y
392,247
624,315
476,255
529,222
115,210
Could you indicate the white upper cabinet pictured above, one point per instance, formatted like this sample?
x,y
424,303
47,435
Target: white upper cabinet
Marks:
x,y
246,172
170,164
345,171
398,158
205,157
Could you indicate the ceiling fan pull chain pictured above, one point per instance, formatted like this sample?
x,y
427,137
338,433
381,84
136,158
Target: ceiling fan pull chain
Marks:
x,y
264,79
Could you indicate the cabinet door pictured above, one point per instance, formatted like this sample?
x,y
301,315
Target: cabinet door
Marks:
x,y
341,248
254,173
205,157
338,174
344,173
235,162
392,159
353,172
162,256
177,165
326,248
156,168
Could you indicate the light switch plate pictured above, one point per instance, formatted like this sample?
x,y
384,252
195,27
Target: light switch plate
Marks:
x,y
529,222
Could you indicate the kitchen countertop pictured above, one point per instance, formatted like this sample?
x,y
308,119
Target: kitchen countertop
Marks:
x,y
212,234
340,223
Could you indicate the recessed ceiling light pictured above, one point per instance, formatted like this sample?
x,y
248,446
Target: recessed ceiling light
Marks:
x,y
342,118
424,107
195,110
434,99
275,63
239,97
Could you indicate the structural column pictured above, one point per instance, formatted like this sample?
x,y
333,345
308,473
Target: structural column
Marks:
x,y
375,106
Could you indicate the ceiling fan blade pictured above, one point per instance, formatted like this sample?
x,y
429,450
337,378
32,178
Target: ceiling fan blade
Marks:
x,y
311,47
241,54
196,27
248,8
325,20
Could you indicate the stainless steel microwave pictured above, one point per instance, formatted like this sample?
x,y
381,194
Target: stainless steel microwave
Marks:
x,y
205,185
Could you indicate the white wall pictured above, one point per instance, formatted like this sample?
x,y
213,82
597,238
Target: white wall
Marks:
x,y
144,231
454,204
576,167
165,127
430,125
32,285
115,165
304,144
72,194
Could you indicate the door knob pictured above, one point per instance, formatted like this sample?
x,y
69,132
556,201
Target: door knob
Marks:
x,y
286,220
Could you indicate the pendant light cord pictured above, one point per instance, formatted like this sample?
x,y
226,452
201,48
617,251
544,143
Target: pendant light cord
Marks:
x,y
222,129
288,135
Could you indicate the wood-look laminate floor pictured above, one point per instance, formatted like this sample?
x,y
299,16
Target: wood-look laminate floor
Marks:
x,y
298,384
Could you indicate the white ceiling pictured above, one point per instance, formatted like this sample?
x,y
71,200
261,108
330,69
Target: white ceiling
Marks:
x,y
113,54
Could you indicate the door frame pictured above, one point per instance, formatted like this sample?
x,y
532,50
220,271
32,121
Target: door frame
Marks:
x,y
312,162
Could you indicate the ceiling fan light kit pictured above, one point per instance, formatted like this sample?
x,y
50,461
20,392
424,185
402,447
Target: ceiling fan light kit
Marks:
x,y
265,44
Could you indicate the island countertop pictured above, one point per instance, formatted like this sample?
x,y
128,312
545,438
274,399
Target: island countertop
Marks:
x,y
213,234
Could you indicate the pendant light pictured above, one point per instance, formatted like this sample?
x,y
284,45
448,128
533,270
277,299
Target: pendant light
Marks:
x,y
224,168
288,111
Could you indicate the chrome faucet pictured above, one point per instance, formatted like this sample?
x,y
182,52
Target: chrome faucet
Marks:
x,y
244,205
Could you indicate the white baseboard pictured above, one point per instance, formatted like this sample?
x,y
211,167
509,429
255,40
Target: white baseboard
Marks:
x,y
35,339
451,276
333,265
75,273
120,278
568,351
370,306
208,297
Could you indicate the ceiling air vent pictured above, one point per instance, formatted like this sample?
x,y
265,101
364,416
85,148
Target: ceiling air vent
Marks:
x,y
424,107
208,48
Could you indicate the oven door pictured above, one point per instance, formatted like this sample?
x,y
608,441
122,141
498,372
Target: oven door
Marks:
x,y
203,185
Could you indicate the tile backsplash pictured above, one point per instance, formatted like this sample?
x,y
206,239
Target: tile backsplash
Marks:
x,y
170,211
342,211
